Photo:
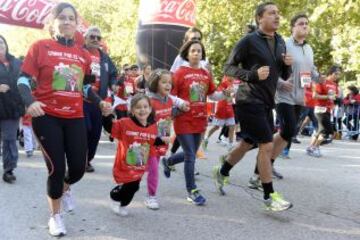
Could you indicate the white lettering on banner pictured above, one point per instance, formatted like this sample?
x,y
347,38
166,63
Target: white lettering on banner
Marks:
x,y
174,11
31,12
186,11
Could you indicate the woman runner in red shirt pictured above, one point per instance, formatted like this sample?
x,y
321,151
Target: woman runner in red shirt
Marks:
x,y
61,72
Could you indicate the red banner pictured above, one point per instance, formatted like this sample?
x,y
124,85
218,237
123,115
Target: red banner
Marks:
x,y
168,12
26,13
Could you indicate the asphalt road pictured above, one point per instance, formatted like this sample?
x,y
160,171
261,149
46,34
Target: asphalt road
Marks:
x,y
325,194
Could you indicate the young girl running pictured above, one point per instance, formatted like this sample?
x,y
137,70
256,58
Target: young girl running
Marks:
x,y
160,84
137,137
224,115
192,84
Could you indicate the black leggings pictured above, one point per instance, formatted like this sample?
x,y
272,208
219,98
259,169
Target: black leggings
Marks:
x,y
60,138
124,193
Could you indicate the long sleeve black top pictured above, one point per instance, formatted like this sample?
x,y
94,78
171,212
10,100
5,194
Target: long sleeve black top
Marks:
x,y
250,53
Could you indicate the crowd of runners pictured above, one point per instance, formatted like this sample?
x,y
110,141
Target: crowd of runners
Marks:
x,y
66,94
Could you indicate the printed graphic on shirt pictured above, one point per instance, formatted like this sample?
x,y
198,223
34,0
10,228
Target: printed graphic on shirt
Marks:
x,y
138,154
67,78
164,127
198,92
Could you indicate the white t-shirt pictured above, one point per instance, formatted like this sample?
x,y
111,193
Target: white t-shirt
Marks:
x,y
178,62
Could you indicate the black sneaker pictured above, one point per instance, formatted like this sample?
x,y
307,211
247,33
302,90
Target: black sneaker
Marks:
x,y
89,168
276,174
295,140
9,177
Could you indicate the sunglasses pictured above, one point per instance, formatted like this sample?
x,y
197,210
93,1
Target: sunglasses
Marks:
x,y
195,38
93,37
126,69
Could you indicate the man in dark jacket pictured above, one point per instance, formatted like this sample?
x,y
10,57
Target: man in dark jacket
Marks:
x,y
258,59
11,109
105,79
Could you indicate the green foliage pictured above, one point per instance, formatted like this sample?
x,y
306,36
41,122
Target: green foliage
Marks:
x,y
117,20
335,34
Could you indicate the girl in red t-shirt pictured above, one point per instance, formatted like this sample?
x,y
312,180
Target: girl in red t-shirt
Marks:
x,y
160,84
192,84
137,136
224,115
61,71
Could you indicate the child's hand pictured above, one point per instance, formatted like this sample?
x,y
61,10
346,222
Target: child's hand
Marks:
x,y
165,139
227,92
185,107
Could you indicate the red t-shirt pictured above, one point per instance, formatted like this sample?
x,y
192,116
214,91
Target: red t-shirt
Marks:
x,y
133,150
192,85
59,72
95,69
224,109
326,88
163,115
308,95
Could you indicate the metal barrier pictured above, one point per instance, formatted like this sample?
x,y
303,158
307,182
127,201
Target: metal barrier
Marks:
x,y
351,121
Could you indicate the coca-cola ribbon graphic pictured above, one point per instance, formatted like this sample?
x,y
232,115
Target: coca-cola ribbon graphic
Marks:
x,y
169,12
26,13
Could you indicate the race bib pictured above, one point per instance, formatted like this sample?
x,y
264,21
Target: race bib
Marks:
x,y
319,109
95,69
305,79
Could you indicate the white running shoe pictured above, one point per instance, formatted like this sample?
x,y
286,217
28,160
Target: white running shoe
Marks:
x,y
317,153
152,203
119,210
67,201
277,203
56,226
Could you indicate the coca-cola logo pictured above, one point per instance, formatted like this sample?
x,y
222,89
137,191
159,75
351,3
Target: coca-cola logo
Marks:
x,y
181,10
169,12
25,12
